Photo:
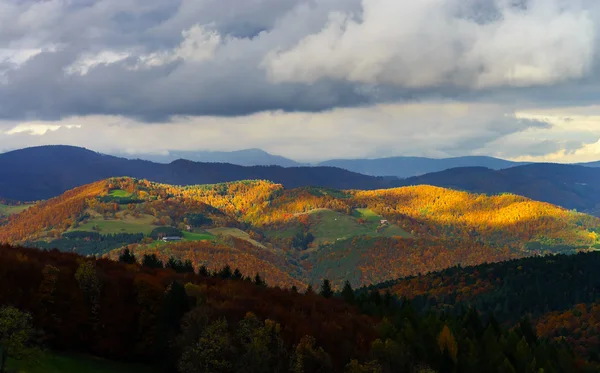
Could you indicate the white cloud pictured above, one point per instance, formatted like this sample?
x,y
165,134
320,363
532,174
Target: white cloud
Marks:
x,y
88,61
199,44
38,129
429,43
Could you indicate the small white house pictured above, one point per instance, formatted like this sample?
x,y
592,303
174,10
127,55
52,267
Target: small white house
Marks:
x,y
171,238
383,222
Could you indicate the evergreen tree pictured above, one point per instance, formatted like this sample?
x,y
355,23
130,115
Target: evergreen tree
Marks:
x,y
127,257
226,272
237,274
259,281
326,290
152,261
203,271
174,264
175,305
348,293
187,267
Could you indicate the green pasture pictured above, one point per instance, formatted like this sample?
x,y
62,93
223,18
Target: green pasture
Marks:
x,y
7,210
65,363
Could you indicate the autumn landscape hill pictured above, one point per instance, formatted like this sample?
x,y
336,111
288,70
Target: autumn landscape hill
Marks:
x,y
300,236
44,172
570,186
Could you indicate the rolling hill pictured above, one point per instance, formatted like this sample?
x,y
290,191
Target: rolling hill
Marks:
x,y
569,186
301,235
43,172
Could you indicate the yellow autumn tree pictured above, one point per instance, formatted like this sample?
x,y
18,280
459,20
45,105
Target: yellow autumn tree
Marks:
x,y
447,343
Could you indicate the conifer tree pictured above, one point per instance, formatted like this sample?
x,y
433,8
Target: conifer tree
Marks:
x,y
326,290
127,257
348,293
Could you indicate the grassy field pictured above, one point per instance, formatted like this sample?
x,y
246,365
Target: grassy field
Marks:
x,y
119,193
331,226
6,210
118,226
198,236
234,232
62,363
367,214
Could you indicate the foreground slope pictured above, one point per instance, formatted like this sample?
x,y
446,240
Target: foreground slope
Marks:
x,y
170,320
302,234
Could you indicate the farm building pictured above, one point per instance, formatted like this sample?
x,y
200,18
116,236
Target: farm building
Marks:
x,y
171,238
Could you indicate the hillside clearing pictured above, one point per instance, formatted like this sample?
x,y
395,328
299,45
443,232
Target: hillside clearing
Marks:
x,y
330,226
115,226
64,363
119,193
198,236
7,210
237,233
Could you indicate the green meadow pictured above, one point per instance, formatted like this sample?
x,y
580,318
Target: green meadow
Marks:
x,y
65,363
7,210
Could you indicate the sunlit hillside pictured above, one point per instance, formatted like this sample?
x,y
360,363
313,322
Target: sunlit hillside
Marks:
x,y
307,234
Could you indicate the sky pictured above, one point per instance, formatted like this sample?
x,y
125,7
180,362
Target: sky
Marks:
x,y
307,79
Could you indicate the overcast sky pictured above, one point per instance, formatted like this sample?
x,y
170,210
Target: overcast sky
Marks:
x,y
306,79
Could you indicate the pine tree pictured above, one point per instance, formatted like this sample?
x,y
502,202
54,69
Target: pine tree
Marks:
x,y
203,271
226,273
237,274
127,257
326,290
259,281
188,267
174,264
348,293
152,261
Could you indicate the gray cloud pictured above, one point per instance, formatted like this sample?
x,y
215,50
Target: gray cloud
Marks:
x,y
290,55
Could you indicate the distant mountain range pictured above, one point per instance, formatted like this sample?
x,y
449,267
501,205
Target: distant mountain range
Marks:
x,y
403,167
246,157
47,171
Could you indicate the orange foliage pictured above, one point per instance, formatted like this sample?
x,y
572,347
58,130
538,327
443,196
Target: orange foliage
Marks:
x,y
580,327
245,257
